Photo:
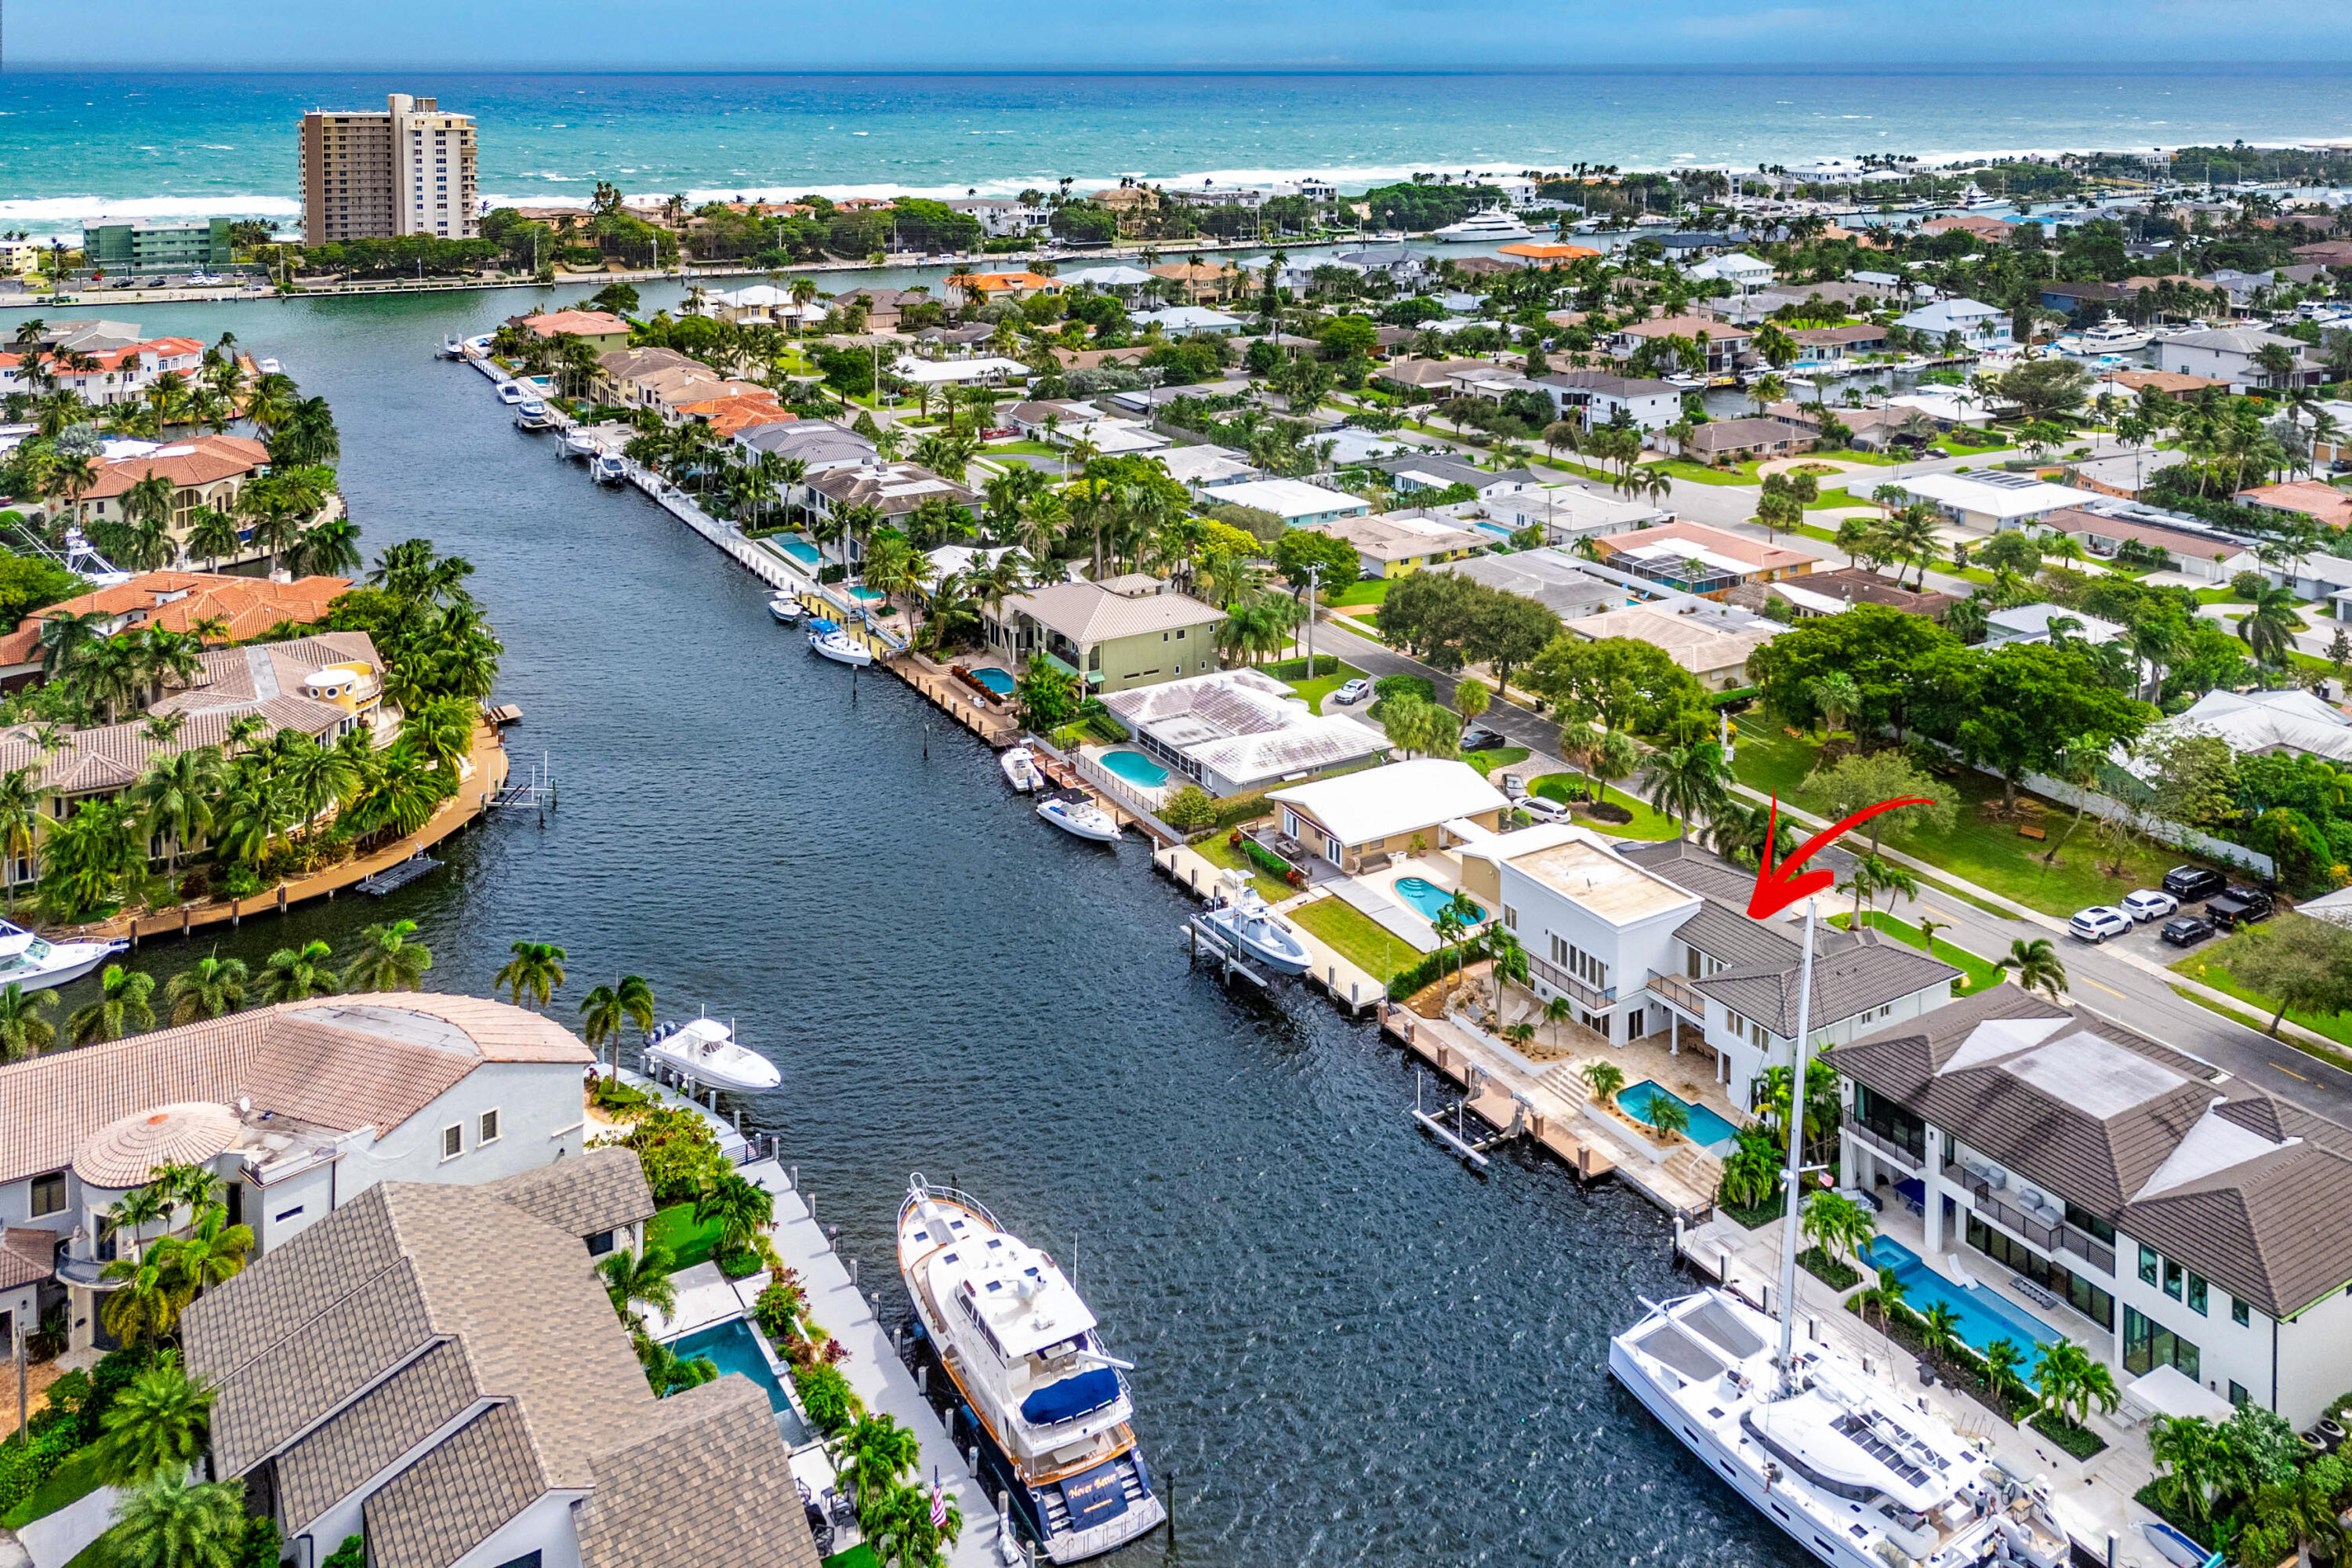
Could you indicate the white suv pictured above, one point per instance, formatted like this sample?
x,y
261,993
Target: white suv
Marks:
x,y
2099,922
2148,904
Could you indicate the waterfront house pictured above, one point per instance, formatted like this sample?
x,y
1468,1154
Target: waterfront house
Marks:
x,y
1383,814
1744,272
981,287
1738,440
600,329
729,414
1396,543
1547,576
1235,731
437,1368
821,444
1647,939
1115,634
759,305
1697,559
893,490
2088,300
203,470
1002,218
1972,324
879,308
1603,397
1297,502
1991,230
177,601
620,372
2228,354
2310,497
1724,343
2124,1194
298,1107
1200,281
1993,500
2176,385
1543,253
1119,281
1714,647
102,371
1823,346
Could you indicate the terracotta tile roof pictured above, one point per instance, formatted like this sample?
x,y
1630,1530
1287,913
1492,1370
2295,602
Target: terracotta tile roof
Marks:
x,y
200,460
997,282
322,1468
1683,327
716,1444
177,601
577,323
737,411
603,1189
2310,497
448,1502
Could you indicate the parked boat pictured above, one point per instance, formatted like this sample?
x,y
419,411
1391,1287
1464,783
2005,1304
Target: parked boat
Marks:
x,y
2108,337
827,638
707,1051
2176,1547
1020,765
609,468
1052,1408
512,391
581,444
28,962
1080,818
532,413
1487,227
270,367
784,608
1249,923
453,347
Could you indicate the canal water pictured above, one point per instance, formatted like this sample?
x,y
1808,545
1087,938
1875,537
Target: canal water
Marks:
x,y
1349,1349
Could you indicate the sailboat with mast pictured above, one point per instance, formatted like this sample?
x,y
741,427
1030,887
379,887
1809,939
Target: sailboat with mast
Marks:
x,y
1853,1472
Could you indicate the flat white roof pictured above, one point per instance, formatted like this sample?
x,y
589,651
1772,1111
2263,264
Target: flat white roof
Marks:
x,y
2030,499
1291,497
1402,797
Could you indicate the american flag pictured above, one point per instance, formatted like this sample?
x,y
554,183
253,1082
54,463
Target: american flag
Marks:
x,y
939,1507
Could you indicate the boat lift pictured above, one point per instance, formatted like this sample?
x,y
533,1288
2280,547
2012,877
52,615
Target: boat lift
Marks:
x,y
534,791
1206,944
1457,1137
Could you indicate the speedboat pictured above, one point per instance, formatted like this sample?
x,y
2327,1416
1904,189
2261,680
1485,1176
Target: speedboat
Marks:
x,y
532,413
453,347
512,391
1053,1409
1250,924
827,637
1080,818
784,608
581,444
707,1051
28,962
1482,229
609,468
2176,1547
270,367
1020,765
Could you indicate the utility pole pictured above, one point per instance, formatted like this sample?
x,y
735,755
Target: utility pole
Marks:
x,y
1314,580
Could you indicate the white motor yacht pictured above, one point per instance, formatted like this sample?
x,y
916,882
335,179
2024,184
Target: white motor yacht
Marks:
x,y
581,444
270,367
512,391
1080,818
609,468
28,962
707,1051
1250,924
784,608
1487,227
532,413
1052,1408
827,638
1020,765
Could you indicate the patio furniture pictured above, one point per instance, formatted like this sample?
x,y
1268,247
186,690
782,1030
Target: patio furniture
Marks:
x,y
1913,1194
2031,1292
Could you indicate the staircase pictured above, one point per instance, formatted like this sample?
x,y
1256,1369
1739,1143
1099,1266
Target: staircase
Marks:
x,y
1562,1081
1695,1168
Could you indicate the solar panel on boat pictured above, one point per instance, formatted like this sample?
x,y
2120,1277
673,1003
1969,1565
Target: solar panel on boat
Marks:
x,y
1859,1434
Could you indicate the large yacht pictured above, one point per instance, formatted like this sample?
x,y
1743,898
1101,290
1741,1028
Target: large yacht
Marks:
x,y
34,964
1052,1409
1487,227
1855,1473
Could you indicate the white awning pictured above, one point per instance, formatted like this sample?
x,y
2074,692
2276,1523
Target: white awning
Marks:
x,y
2167,1392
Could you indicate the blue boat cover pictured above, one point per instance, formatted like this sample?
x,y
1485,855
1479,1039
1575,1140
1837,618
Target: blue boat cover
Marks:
x,y
1073,1397
1096,1497
820,626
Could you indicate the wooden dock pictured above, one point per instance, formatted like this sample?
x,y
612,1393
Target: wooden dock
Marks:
x,y
1547,1119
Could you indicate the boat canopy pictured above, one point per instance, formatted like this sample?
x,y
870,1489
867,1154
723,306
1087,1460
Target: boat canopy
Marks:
x,y
820,626
699,1032
1072,1397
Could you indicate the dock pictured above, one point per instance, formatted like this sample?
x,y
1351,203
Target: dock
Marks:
x,y
417,865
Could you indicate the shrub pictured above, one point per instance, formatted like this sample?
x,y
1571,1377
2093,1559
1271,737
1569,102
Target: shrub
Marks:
x,y
196,884
351,1553
1426,971
1189,809
2248,584
740,1264
778,1309
679,1152
24,1467
239,882
827,1397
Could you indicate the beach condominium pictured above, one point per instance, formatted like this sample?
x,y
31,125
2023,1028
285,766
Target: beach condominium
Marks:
x,y
141,248
369,175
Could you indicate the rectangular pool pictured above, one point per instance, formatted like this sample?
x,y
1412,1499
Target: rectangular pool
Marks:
x,y
1983,1315
732,1346
1705,1129
997,680
802,550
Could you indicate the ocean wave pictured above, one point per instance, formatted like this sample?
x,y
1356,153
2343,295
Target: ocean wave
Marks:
x,y
65,212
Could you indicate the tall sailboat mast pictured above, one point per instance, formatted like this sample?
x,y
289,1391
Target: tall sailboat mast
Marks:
x,y
1794,1173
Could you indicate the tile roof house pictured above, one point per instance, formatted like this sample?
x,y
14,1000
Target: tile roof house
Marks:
x,y
1666,553
600,329
2167,1217
178,602
1716,654
381,1375
203,470
1395,543
894,490
2229,354
1115,634
300,1107
619,372
1834,592
2311,498
1724,343
1736,440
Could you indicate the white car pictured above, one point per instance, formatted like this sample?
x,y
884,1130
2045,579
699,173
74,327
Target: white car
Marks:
x,y
1352,692
2148,904
1543,810
2099,922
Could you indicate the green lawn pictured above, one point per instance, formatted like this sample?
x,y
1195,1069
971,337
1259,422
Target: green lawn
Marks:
x,y
1646,824
1979,973
1499,757
1218,851
1030,449
689,1243
1313,691
1700,473
71,1481
1357,937
1363,591
2209,964
1990,854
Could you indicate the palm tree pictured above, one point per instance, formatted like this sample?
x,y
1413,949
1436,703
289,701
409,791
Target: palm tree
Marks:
x,y
1745,834
23,1031
537,967
174,798
158,1422
1604,1076
604,1010
297,974
2036,966
212,1253
2070,1381
135,1210
1940,1329
1558,1011
2295,1514
215,986
1689,782
1509,964
740,1207
21,820
640,1280
387,959
174,1521
2268,629
880,1453
2197,1462
121,1009
2002,1359
213,535
1838,1225
1836,697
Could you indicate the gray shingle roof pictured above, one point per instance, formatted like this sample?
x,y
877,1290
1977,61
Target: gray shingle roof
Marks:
x,y
449,1501
603,1189
716,1444
1851,975
320,1470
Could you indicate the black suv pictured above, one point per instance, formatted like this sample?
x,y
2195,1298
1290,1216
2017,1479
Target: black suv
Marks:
x,y
2238,905
2191,883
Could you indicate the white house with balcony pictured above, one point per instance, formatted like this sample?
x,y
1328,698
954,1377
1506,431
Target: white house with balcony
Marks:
x,y
1974,324
2188,1230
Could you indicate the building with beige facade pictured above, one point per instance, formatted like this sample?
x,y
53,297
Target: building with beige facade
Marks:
x,y
406,170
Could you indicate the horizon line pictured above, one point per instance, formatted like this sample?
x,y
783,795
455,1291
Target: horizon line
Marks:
x,y
1892,67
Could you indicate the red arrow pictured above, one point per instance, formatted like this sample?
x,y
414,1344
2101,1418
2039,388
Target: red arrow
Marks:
x,y
1777,886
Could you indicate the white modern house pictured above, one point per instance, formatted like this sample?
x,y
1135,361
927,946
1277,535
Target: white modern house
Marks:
x,y
1743,271
2227,354
1002,216
1602,398
1295,501
1189,322
1995,500
1378,815
2187,1229
1979,326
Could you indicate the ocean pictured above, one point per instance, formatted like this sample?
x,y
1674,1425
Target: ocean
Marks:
x,y
80,146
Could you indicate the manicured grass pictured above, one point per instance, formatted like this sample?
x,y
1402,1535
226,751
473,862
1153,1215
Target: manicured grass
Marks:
x,y
1646,824
1702,473
70,1482
1501,757
1363,591
1987,853
1979,973
1217,850
858,1556
1025,448
2079,1441
1357,937
689,1242
1313,691
2208,964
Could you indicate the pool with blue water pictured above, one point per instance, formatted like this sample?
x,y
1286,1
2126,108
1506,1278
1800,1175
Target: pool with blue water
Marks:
x,y
1702,1127
731,1346
802,550
1135,769
1427,898
997,680
1983,1316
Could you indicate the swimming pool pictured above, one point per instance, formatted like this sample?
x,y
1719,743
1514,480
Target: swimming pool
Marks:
x,y
1705,1128
1983,1316
865,596
1135,769
1427,898
800,551
731,1344
997,680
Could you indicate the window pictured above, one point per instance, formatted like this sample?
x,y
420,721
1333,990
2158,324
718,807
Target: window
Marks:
x,y
490,1128
600,1244
2172,1278
2083,1220
289,1213
2148,1344
50,1194
2239,1315
2197,1294
452,1142
2146,1264
2238,1395
1510,917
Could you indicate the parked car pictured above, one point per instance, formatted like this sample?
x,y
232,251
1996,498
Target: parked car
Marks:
x,y
1353,691
1478,737
1514,788
2191,883
2238,905
2150,905
2099,922
2185,930
1543,810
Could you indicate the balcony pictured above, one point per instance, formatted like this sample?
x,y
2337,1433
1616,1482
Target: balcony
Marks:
x,y
2088,1248
1560,980
1902,1155
1679,992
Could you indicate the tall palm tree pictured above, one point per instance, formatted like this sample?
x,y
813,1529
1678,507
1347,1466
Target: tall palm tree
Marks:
x,y
640,1280
387,960
297,974
2268,629
175,1521
536,968
21,821
739,1207
212,535
23,1031
210,988
212,1252
175,798
2036,966
120,1008
134,1211
1689,782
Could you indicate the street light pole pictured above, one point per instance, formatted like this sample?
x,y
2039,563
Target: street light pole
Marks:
x,y
1314,579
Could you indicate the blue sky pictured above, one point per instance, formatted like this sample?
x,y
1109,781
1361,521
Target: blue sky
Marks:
x,y
764,35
